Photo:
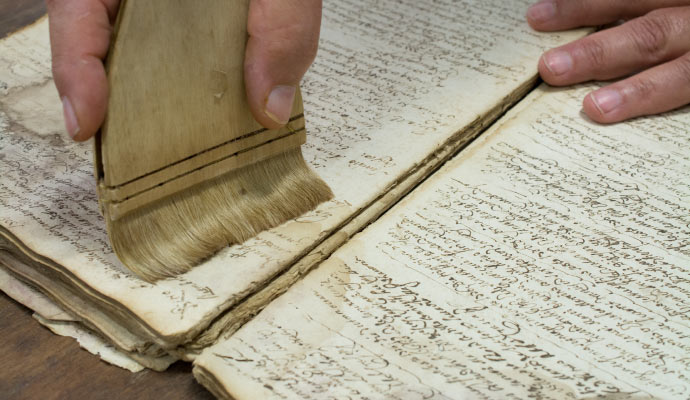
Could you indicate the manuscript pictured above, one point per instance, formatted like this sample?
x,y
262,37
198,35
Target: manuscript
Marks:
x,y
548,259
386,103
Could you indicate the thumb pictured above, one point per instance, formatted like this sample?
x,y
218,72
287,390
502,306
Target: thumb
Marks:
x,y
79,35
283,39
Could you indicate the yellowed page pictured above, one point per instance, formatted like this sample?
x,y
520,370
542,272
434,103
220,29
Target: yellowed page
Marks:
x,y
394,82
92,343
48,314
33,299
550,259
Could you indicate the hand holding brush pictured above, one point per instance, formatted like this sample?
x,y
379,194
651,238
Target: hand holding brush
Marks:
x,y
283,39
198,119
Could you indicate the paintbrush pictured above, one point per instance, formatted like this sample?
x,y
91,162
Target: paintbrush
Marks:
x,y
183,168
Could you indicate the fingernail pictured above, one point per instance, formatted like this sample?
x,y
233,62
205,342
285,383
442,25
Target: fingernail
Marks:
x,y
279,103
558,62
71,122
607,100
542,11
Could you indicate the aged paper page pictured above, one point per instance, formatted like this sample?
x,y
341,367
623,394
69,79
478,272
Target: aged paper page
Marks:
x,y
93,343
32,298
550,259
395,82
61,323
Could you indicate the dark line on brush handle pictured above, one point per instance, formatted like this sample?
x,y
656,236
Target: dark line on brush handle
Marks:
x,y
245,136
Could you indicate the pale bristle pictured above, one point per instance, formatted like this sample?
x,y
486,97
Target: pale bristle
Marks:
x,y
177,233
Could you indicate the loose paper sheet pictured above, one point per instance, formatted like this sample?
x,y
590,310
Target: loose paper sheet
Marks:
x,y
550,259
91,343
50,315
394,81
32,298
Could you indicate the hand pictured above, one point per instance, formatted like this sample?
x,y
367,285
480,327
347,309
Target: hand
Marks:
x,y
651,49
283,39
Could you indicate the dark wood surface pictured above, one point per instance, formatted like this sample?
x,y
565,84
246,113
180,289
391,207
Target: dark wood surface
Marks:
x,y
15,14
35,363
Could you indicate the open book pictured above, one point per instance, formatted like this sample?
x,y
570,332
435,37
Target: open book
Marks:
x,y
550,258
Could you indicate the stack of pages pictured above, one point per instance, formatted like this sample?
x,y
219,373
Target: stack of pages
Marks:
x,y
550,258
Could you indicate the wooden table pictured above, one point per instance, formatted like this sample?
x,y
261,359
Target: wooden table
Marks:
x,y
35,363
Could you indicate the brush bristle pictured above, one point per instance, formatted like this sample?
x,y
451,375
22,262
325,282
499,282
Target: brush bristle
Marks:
x,y
174,234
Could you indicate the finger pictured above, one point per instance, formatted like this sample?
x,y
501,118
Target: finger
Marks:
x,y
653,91
283,39
555,15
79,36
646,41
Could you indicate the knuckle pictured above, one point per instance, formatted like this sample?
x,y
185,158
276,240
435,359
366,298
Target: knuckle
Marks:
x,y
60,66
281,34
310,51
683,68
595,53
644,88
650,34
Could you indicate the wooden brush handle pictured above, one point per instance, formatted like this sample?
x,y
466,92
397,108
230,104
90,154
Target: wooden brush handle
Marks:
x,y
178,113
